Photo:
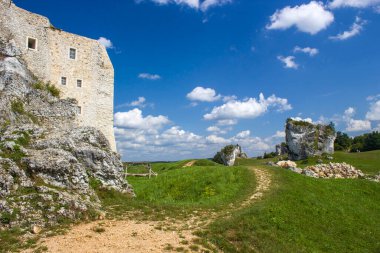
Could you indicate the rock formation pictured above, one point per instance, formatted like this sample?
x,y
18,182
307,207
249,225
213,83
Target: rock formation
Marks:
x,y
228,155
306,140
49,167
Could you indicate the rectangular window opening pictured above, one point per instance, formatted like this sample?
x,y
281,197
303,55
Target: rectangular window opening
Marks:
x,y
79,83
73,53
32,43
63,80
79,110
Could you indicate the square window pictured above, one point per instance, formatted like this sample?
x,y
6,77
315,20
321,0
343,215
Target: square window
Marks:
x,y
32,43
79,83
73,53
63,80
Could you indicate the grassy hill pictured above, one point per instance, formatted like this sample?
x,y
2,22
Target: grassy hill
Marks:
x,y
299,214
303,214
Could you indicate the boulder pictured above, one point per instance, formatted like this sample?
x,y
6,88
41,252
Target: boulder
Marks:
x,y
305,139
228,155
286,164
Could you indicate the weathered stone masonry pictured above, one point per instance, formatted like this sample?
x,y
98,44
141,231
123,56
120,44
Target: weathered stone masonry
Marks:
x,y
46,51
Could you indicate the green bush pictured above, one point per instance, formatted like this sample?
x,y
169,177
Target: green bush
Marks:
x,y
51,88
54,91
18,107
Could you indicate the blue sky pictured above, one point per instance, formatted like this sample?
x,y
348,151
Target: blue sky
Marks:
x,y
189,74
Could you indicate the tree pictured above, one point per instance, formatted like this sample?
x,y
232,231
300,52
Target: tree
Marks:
x,y
342,142
371,141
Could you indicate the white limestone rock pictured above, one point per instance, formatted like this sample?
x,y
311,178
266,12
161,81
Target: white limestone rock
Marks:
x,y
305,139
228,155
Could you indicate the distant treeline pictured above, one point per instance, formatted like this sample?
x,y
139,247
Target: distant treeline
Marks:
x,y
365,142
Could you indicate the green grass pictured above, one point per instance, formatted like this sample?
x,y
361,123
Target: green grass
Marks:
x,y
368,162
303,214
51,88
177,191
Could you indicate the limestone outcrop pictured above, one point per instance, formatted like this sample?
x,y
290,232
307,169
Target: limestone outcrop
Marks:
x,y
50,168
305,139
228,155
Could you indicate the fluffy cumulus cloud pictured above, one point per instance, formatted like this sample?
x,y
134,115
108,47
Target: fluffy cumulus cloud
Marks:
x,y
309,120
140,102
289,62
243,134
247,109
309,18
358,125
203,95
176,143
374,112
134,119
218,130
105,42
354,30
354,3
354,125
307,50
149,76
202,5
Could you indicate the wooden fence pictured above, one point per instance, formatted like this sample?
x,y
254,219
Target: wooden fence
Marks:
x,y
147,166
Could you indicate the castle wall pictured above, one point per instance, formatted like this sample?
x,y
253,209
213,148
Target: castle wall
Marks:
x,y
50,62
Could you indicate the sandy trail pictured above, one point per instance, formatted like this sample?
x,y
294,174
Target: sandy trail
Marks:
x,y
146,236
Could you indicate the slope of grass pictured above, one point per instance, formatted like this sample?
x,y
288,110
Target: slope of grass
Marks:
x,y
368,162
303,214
179,190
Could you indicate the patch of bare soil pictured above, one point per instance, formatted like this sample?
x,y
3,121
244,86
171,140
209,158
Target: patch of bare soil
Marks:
x,y
189,164
147,236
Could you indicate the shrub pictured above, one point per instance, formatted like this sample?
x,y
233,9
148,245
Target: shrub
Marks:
x,y
51,88
39,85
17,107
54,91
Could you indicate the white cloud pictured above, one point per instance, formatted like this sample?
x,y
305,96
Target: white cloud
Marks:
x,y
355,29
207,4
306,50
358,125
229,98
134,119
249,108
309,18
243,134
353,3
140,102
149,76
372,98
309,120
176,143
202,5
374,112
227,122
105,42
203,95
349,112
214,139
218,130
288,61
279,134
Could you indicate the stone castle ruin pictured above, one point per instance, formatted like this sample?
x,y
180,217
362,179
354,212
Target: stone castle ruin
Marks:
x,y
80,67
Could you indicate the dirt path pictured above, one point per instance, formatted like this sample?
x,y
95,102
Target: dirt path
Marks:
x,y
147,236
189,164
